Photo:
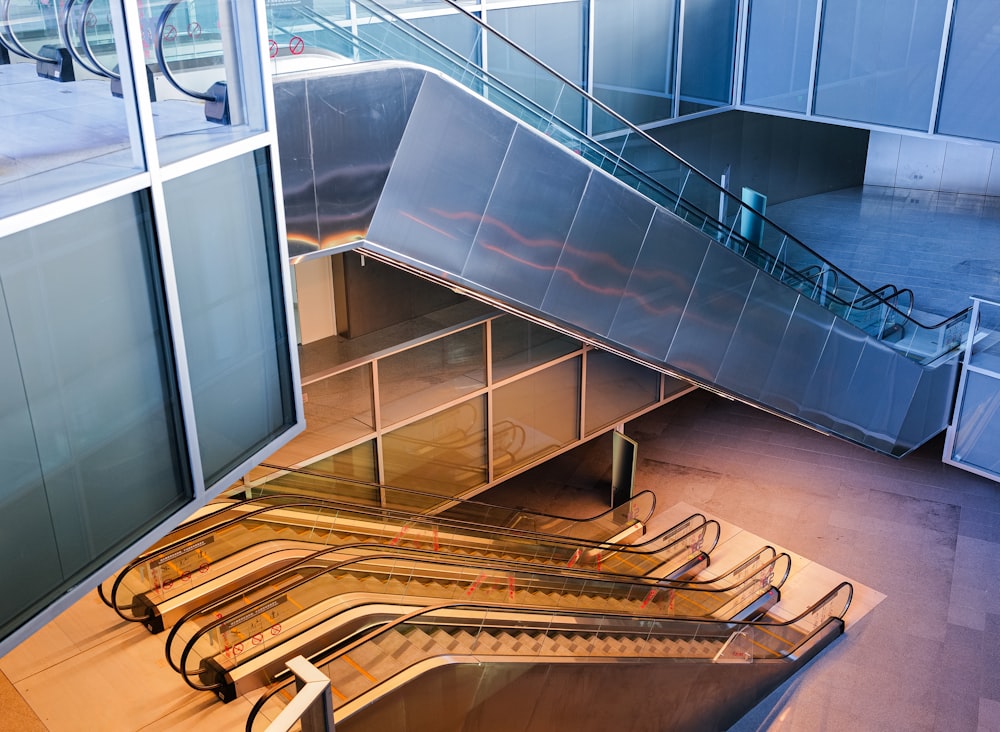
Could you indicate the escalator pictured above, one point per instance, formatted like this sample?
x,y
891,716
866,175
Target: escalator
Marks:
x,y
242,642
444,173
224,551
490,667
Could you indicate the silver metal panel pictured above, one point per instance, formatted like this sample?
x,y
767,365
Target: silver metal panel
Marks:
x,y
533,205
713,310
600,254
929,411
483,203
880,392
337,143
442,177
750,358
831,381
795,360
296,162
659,287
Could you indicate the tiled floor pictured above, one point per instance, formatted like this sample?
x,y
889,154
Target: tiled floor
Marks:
x,y
924,535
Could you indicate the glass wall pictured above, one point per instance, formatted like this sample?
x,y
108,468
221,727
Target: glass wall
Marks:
x,y
444,453
708,39
433,373
634,49
61,132
223,232
970,99
536,415
554,35
878,60
91,443
339,408
616,388
779,54
519,345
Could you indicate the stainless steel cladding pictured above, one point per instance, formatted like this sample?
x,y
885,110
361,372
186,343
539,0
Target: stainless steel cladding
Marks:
x,y
465,193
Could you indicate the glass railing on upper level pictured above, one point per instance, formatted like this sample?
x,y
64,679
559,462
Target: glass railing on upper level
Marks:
x,y
541,97
490,634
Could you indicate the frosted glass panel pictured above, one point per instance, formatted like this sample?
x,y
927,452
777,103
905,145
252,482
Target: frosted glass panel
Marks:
x,y
90,437
228,277
779,53
878,60
970,99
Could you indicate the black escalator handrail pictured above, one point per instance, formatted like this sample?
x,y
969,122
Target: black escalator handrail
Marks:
x,y
636,130
283,682
161,25
539,574
85,42
447,499
64,18
405,518
16,46
381,551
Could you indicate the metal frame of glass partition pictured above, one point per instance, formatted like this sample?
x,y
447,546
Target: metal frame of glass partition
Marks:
x,y
974,430
486,433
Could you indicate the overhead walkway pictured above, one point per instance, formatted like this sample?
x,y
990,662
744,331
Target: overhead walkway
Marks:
x,y
620,244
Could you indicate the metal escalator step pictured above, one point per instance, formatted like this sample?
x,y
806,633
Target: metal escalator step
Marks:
x,y
391,643
462,641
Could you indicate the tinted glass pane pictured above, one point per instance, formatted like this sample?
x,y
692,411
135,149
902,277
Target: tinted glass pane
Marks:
x,y
970,98
551,33
434,373
878,60
444,453
89,431
58,138
229,282
634,58
779,53
535,415
519,345
707,56
616,387
208,81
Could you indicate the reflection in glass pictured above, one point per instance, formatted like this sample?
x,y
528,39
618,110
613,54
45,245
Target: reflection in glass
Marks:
x,y
208,83
978,432
338,409
431,374
225,250
779,53
878,61
90,440
444,453
634,60
970,96
63,132
519,345
707,55
616,387
562,50
536,415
